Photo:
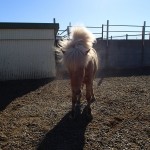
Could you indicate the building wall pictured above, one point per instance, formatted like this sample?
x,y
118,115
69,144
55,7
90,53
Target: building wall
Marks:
x,y
26,54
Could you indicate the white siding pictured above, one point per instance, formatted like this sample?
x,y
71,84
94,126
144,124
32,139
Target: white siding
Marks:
x,y
26,34
26,54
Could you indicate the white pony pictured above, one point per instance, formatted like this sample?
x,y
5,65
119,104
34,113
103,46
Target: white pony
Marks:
x,y
81,61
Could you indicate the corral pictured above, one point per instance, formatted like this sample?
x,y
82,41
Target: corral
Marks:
x,y
36,114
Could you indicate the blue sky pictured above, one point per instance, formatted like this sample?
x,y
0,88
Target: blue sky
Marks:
x,y
87,12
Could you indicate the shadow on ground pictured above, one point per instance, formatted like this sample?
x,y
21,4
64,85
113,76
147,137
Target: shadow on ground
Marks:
x,y
9,90
68,134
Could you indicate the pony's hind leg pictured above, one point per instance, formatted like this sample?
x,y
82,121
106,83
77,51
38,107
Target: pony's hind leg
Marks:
x,y
93,97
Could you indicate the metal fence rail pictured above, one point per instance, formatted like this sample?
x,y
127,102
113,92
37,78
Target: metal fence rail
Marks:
x,y
110,31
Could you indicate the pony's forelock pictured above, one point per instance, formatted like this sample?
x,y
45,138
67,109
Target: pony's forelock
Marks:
x,y
81,33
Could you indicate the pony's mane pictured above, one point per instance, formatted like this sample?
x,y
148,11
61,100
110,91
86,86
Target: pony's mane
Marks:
x,y
79,35
77,47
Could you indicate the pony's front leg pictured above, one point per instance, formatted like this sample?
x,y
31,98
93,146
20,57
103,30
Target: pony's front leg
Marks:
x,y
90,98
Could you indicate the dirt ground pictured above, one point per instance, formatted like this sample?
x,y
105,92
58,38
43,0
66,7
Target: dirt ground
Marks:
x,y
35,114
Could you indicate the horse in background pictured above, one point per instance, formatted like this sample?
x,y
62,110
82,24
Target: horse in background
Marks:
x,y
81,61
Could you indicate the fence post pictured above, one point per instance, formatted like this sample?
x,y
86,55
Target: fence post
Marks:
x,y
54,21
143,31
107,36
107,49
102,30
143,38
70,24
68,30
126,36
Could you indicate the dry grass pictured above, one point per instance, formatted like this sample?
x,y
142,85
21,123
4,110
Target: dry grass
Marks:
x,y
35,115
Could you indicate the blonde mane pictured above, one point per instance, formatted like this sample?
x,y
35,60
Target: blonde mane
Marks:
x,y
78,51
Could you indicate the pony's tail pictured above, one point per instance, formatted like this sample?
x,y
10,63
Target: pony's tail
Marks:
x,y
81,35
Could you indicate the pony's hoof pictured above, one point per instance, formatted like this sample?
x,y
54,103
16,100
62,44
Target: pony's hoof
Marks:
x,y
89,116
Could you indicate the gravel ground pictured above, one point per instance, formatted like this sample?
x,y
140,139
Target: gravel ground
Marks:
x,y
35,114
